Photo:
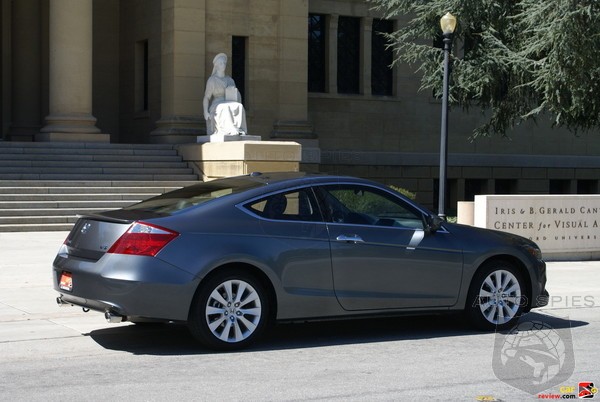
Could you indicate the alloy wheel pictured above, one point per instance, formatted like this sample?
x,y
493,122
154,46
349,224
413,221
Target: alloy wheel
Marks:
x,y
233,311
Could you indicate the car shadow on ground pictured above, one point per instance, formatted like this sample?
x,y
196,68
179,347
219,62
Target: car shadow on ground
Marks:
x,y
175,339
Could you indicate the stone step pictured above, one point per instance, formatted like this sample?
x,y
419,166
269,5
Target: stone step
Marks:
x,y
5,165
93,170
44,186
96,183
75,197
38,220
81,145
51,191
101,151
98,176
25,205
87,157
34,227
6,213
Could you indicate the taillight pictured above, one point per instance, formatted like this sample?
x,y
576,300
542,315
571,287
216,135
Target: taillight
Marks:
x,y
143,239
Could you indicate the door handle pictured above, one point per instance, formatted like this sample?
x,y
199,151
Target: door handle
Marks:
x,y
350,239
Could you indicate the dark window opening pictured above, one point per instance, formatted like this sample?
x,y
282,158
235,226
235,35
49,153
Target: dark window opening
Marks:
x,y
382,58
474,187
316,53
505,186
141,76
587,186
238,64
560,186
348,55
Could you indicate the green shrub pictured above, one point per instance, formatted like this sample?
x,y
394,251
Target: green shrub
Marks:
x,y
404,192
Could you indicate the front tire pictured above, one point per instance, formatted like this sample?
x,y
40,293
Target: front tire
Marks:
x,y
496,296
230,311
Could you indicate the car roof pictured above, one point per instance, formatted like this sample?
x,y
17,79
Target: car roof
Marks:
x,y
270,178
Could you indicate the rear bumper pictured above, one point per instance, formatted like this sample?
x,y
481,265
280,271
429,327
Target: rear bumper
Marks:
x,y
130,286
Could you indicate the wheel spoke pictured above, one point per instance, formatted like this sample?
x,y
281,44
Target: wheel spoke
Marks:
x,y
215,324
249,324
217,296
513,288
485,293
491,314
251,311
486,306
228,290
239,336
488,281
498,279
225,334
240,292
214,310
251,297
501,315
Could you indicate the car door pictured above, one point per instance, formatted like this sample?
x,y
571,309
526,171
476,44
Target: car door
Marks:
x,y
295,241
382,258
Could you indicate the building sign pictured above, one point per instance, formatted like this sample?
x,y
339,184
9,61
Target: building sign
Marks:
x,y
557,223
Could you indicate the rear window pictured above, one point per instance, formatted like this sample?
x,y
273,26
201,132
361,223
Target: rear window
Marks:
x,y
187,197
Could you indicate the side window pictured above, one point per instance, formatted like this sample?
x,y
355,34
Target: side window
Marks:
x,y
299,205
362,205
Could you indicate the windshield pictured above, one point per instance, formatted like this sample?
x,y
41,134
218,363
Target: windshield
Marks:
x,y
186,197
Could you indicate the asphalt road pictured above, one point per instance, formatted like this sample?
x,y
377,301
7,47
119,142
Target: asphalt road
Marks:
x,y
50,353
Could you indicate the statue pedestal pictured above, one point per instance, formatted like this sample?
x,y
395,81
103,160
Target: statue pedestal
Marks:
x,y
214,160
202,139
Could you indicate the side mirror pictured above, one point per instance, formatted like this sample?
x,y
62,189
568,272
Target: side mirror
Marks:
x,y
433,223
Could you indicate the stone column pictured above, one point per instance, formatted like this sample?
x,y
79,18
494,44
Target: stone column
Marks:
x,y
183,35
26,119
292,120
70,69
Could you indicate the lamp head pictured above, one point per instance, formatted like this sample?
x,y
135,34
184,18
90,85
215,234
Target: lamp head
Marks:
x,y
448,24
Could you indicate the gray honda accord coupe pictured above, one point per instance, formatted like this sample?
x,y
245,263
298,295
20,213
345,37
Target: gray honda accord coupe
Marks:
x,y
230,256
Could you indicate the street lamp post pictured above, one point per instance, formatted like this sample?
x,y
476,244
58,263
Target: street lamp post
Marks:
x,y
448,24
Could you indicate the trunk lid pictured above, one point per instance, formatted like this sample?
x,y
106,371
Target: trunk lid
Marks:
x,y
93,235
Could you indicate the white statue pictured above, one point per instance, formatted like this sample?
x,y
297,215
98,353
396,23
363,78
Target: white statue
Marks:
x,y
223,111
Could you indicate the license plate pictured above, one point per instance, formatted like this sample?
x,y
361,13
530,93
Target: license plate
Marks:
x,y
66,281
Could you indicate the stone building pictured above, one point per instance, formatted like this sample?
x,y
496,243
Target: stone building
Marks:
x,y
312,71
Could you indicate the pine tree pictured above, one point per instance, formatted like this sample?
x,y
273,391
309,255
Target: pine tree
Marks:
x,y
519,59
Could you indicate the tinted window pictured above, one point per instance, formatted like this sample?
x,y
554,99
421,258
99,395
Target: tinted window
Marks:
x,y
299,205
363,205
194,195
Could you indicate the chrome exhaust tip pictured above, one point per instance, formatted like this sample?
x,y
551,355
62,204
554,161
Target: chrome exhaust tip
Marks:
x,y
62,303
112,318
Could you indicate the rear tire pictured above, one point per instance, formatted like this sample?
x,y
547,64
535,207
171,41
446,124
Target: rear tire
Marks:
x,y
230,311
497,296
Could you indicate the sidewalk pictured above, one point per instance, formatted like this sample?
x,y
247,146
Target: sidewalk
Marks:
x,y
27,300
28,309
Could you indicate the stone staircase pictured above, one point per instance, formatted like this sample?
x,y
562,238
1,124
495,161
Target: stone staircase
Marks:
x,y
43,186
